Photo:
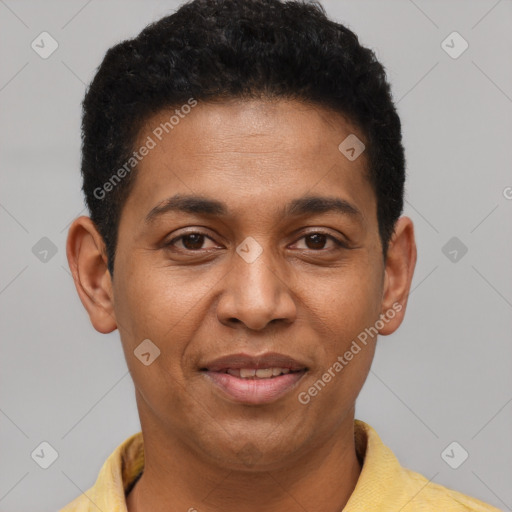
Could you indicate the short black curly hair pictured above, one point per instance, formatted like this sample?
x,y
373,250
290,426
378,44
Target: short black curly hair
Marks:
x,y
218,50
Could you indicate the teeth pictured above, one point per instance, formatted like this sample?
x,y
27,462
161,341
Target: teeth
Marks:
x,y
264,374
261,373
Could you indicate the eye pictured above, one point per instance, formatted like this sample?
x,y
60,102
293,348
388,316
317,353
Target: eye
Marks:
x,y
192,241
316,241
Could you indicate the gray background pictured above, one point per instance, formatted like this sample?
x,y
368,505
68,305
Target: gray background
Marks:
x,y
444,376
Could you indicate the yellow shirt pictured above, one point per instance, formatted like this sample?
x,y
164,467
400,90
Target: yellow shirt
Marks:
x,y
383,485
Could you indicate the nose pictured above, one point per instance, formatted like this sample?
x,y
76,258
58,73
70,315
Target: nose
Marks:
x,y
255,295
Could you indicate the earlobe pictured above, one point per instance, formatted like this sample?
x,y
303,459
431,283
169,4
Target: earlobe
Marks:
x,y
399,270
85,251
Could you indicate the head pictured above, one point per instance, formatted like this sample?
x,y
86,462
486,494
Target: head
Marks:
x,y
228,215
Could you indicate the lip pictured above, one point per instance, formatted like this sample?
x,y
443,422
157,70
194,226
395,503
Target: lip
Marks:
x,y
266,360
254,391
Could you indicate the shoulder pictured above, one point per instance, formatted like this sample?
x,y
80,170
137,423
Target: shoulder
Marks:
x,y
432,496
116,475
80,504
385,485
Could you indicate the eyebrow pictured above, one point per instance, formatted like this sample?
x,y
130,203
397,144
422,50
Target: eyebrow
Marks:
x,y
200,205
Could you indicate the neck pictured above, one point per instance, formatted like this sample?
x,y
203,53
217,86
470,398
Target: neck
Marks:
x,y
320,479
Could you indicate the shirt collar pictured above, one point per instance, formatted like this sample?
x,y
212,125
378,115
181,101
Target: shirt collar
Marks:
x,y
378,486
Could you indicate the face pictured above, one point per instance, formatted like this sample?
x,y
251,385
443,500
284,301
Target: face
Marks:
x,y
249,240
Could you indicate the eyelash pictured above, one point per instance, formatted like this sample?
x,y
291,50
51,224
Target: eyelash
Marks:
x,y
339,243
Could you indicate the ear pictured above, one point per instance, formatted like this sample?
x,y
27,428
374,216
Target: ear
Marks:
x,y
87,260
398,272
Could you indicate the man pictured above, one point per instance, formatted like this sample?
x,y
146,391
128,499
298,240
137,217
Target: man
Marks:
x,y
244,171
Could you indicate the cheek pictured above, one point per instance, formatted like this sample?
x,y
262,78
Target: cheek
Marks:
x,y
330,394
160,305
349,300
346,357
347,305
347,379
150,308
151,302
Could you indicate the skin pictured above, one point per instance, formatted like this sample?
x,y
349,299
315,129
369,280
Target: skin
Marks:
x,y
198,300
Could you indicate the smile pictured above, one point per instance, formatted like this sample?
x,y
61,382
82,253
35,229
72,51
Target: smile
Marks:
x,y
254,386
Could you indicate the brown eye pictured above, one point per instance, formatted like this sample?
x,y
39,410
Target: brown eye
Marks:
x,y
316,241
193,241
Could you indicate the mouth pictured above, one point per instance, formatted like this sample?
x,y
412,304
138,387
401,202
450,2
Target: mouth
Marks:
x,y
258,373
254,379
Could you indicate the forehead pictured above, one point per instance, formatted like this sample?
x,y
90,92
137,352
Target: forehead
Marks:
x,y
237,126
268,150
